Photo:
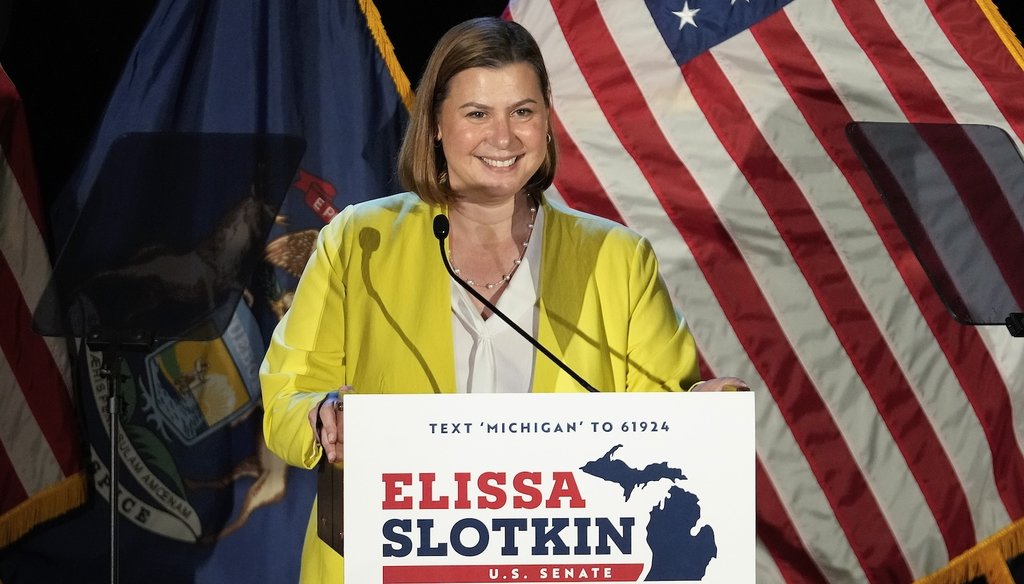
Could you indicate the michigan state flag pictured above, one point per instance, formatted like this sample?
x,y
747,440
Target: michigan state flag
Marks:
x,y
201,499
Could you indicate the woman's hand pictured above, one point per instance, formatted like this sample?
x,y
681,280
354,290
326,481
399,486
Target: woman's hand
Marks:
x,y
721,384
328,422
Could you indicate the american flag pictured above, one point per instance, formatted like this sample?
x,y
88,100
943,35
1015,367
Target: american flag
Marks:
x,y
888,435
41,475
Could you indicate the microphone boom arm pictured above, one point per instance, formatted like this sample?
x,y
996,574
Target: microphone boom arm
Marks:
x,y
441,233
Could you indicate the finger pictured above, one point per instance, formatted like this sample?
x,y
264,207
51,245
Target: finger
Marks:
x,y
311,416
315,423
339,420
335,440
329,431
721,384
734,384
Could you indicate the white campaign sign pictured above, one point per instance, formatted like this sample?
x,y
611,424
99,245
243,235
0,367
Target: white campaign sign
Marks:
x,y
611,487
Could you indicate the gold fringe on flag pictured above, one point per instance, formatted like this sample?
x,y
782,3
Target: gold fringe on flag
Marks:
x,y
1003,30
387,51
55,500
987,559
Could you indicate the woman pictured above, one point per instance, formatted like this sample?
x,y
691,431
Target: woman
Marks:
x,y
375,310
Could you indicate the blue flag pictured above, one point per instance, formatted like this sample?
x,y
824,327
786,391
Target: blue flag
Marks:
x,y
201,497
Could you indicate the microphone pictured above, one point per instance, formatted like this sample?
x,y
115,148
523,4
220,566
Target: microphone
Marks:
x,y
441,228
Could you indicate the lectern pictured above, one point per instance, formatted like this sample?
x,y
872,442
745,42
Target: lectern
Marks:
x,y
566,487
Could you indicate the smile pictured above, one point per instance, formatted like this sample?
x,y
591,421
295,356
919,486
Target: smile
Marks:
x,y
500,163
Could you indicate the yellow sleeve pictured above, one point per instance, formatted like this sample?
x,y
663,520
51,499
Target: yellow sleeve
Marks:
x,y
662,355
306,357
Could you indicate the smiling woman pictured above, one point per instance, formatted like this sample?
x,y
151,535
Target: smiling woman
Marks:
x,y
493,130
479,141
375,311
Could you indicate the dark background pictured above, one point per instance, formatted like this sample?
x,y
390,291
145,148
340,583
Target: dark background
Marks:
x,y
66,56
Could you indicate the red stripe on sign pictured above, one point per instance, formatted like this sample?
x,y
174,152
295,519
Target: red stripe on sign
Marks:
x,y
12,492
735,289
567,572
838,298
37,374
584,191
776,531
966,352
972,35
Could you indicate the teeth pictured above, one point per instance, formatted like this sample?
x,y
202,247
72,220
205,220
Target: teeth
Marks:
x,y
500,163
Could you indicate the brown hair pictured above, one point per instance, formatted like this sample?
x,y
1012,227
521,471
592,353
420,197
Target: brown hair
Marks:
x,y
481,42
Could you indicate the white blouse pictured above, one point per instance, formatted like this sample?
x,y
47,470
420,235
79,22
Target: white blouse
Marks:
x,y
491,357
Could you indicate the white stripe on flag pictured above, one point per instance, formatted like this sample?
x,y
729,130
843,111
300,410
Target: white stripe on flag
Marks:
x,y
22,439
20,242
24,250
1006,352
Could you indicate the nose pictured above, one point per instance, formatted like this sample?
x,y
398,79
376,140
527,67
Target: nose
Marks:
x,y
501,132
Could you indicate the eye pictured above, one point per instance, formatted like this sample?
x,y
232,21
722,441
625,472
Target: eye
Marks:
x,y
476,115
523,112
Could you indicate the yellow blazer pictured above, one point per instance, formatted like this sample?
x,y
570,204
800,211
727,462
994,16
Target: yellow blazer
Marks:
x,y
373,310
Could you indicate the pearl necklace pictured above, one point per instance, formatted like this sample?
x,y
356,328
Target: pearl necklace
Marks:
x,y
515,263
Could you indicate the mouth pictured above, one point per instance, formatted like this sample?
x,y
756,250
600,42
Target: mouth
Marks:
x,y
499,163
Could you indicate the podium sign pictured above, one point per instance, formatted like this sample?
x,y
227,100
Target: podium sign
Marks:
x,y
549,488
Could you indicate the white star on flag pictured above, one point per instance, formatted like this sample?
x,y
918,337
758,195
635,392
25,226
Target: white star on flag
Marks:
x,y
686,15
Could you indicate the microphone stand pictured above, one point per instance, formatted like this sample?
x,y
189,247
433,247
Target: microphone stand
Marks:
x,y
441,229
113,348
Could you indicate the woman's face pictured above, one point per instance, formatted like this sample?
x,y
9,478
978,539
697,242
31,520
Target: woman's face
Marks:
x,y
493,127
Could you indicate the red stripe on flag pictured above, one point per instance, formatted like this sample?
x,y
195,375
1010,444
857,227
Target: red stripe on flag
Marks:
x,y
920,102
12,492
838,298
898,69
35,371
735,289
776,531
14,131
978,44
967,355
703,367
584,191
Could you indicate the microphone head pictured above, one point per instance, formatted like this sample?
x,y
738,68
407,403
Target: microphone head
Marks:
x,y
440,227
